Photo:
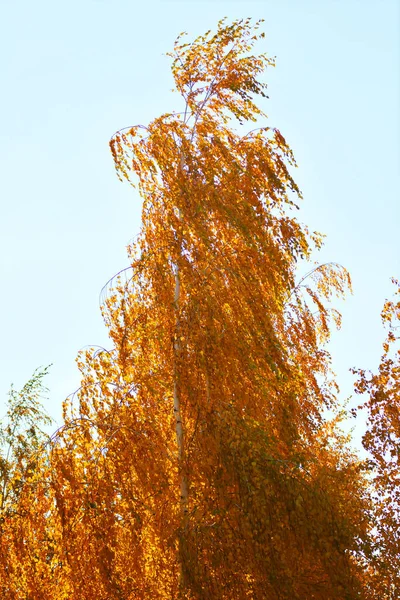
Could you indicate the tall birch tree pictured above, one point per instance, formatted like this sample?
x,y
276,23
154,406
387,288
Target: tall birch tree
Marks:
x,y
196,460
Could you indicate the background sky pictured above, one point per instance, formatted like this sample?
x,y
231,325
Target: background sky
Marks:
x,y
74,72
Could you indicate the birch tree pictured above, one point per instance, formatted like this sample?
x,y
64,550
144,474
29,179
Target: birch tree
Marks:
x,y
196,460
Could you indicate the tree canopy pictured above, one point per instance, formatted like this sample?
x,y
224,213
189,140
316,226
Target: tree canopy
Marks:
x,y
202,457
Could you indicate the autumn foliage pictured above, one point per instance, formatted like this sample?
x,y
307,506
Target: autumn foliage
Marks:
x,y
202,457
382,441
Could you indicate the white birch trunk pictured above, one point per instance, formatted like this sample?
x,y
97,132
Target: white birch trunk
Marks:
x,y
177,409
179,429
179,425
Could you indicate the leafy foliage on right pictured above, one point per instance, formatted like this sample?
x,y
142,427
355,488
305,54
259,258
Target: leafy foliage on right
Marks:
x,y
382,442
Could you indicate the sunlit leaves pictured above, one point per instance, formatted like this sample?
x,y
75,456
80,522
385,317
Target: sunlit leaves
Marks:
x,y
196,460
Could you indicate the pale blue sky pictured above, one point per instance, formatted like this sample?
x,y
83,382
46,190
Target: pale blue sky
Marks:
x,y
74,72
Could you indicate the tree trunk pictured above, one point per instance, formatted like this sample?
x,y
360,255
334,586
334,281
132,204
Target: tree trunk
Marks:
x,y
179,428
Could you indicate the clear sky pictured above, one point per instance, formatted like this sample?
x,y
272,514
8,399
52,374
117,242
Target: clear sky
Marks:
x,y
74,72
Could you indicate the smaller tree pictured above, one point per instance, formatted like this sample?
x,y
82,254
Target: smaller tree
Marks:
x,y
382,442
31,565
21,438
